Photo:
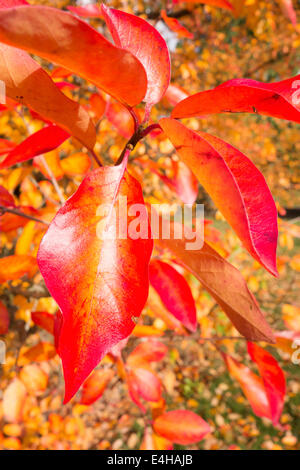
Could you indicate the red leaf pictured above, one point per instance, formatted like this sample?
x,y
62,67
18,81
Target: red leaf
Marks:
x,y
120,118
176,26
183,181
95,385
98,284
4,319
147,351
12,3
288,10
279,99
175,94
181,426
42,141
273,378
236,186
98,105
23,77
144,42
87,11
74,45
174,292
6,199
225,284
143,383
14,397
252,386
6,146
44,320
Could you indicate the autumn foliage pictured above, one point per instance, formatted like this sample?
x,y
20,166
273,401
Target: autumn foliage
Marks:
x,y
92,116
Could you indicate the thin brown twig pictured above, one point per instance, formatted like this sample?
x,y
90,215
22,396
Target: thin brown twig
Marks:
x,y
53,179
4,209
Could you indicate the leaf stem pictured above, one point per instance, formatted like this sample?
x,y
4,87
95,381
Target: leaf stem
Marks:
x,y
135,138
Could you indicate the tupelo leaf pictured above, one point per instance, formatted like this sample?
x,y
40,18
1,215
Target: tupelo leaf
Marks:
x,y
236,186
127,30
74,45
96,282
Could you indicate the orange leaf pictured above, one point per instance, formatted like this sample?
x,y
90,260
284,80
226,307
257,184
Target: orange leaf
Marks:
x,y
95,385
76,164
181,426
98,282
225,284
23,76
44,320
74,45
13,401
34,378
273,378
252,386
17,266
147,351
176,26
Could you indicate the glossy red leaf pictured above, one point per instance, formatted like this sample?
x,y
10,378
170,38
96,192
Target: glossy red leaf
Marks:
x,y
279,99
252,386
174,292
176,26
225,284
42,141
6,199
45,320
87,11
95,385
144,42
147,351
23,77
236,186
74,45
4,319
99,284
273,378
181,426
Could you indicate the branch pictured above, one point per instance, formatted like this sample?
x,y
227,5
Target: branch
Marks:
x,y
4,209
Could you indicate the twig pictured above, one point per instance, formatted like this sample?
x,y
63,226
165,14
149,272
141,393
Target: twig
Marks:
x,y
53,179
94,156
4,209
